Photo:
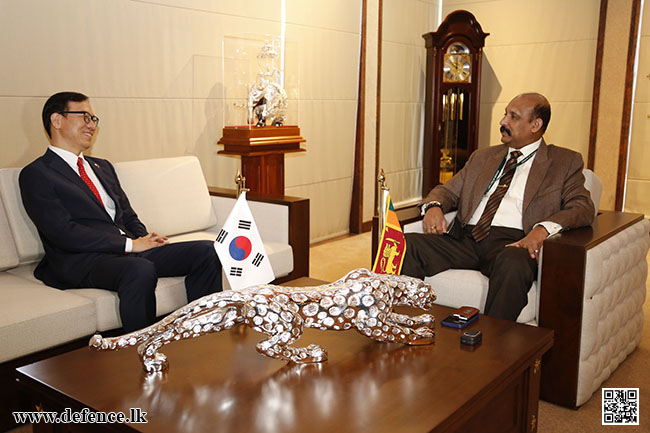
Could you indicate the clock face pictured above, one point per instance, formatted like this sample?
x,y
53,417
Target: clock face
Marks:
x,y
457,68
457,48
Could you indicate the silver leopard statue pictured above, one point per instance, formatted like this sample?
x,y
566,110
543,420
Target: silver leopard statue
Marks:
x,y
361,300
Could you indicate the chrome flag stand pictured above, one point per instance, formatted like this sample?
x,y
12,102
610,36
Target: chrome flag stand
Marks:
x,y
381,200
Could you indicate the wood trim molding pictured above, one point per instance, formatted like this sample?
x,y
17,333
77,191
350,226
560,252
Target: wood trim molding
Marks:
x,y
356,208
595,99
380,35
628,99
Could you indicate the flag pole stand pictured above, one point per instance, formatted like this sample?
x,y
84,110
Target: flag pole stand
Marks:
x,y
391,244
240,181
382,191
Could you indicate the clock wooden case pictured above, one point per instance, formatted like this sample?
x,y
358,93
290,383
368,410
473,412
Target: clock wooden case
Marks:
x,y
453,86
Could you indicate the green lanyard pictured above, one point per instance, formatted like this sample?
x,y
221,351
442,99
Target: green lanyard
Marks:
x,y
496,176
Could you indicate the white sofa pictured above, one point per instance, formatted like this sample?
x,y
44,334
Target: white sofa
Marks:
x,y
590,290
171,197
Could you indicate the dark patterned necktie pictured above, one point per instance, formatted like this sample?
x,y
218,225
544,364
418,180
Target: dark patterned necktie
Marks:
x,y
482,228
85,178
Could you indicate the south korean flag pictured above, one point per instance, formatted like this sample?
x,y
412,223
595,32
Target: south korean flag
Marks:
x,y
240,249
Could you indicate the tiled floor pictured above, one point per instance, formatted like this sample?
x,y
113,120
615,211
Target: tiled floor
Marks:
x,y
331,260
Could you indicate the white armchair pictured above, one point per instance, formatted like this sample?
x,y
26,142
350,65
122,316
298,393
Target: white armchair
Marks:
x,y
475,285
590,291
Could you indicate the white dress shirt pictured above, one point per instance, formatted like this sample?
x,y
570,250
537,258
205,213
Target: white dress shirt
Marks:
x,y
109,205
510,211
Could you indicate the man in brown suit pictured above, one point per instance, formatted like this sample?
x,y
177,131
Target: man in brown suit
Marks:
x,y
507,205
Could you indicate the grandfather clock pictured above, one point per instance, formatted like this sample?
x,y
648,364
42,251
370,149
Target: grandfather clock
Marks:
x,y
453,86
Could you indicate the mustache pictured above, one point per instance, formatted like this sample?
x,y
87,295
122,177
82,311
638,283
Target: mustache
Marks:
x,y
504,129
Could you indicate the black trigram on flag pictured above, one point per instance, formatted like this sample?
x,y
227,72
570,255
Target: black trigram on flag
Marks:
x,y
244,225
235,272
222,235
258,259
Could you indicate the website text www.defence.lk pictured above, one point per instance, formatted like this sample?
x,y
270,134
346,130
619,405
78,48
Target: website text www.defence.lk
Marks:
x,y
135,416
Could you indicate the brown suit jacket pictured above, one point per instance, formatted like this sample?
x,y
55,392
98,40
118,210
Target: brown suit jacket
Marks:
x,y
555,189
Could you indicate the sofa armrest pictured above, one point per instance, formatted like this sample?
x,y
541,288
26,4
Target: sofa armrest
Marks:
x,y
298,208
562,297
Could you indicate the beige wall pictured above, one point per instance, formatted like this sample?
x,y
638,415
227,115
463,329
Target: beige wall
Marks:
x,y
154,73
638,179
370,121
402,94
547,47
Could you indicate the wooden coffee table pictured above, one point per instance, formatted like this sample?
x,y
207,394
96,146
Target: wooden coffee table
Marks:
x,y
219,382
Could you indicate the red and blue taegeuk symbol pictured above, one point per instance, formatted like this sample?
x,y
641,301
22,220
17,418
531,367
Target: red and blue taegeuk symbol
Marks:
x,y
240,248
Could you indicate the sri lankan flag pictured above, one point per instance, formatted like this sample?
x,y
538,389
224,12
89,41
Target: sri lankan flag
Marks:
x,y
392,246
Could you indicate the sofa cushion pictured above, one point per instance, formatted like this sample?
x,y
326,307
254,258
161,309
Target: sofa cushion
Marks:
x,y
595,187
169,195
8,253
36,317
28,244
459,287
170,292
170,295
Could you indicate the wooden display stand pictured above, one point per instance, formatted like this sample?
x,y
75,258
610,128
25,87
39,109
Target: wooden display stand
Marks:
x,y
262,152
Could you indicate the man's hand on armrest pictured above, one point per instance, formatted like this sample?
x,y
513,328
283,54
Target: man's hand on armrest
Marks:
x,y
434,221
532,241
152,240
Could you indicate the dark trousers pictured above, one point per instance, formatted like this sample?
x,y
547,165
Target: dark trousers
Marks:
x,y
134,277
510,269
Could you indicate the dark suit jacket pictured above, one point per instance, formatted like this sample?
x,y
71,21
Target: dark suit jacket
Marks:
x,y
555,189
73,225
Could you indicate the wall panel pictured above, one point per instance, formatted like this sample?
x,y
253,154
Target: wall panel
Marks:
x,y
331,201
154,72
402,94
547,47
572,134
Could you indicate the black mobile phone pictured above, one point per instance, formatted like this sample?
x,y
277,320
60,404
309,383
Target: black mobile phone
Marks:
x,y
454,229
471,337
456,322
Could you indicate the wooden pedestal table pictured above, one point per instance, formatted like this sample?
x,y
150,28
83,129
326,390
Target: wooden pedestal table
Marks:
x,y
262,152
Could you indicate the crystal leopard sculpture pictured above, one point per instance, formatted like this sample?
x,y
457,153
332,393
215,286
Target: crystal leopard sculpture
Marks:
x,y
362,300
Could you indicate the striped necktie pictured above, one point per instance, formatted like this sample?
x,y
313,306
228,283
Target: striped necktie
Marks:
x,y
85,178
482,228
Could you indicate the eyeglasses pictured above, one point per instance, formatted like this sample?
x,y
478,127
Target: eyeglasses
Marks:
x,y
87,116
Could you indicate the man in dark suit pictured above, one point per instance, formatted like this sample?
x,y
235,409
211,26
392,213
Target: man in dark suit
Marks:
x,y
509,199
91,235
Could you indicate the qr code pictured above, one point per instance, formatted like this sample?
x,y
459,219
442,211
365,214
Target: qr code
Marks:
x,y
620,406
